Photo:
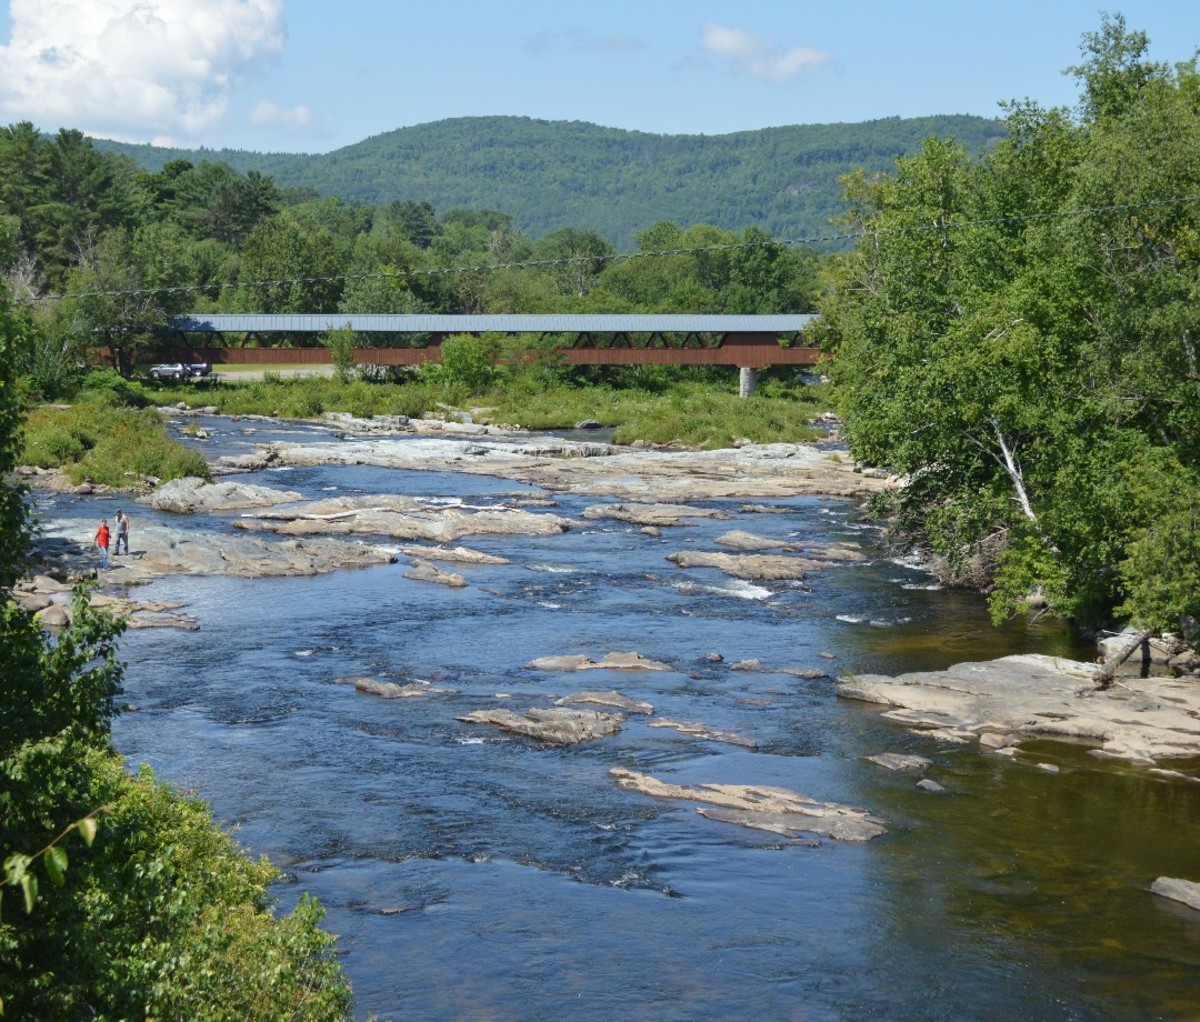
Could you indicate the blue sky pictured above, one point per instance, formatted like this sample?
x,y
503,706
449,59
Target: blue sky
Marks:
x,y
311,76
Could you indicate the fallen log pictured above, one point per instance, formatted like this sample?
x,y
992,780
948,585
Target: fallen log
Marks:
x,y
1103,678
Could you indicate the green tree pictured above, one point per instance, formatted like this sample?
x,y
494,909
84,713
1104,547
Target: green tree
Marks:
x,y
87,193
126,288
293,267
579,257
341,350
1016,335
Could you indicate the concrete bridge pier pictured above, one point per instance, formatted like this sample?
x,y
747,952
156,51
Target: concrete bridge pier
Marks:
x,y
747,381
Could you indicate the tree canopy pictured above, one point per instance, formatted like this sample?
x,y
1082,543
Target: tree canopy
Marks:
x,y
1017,335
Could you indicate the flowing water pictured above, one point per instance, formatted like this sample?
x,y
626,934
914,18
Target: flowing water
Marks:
x,y
473,875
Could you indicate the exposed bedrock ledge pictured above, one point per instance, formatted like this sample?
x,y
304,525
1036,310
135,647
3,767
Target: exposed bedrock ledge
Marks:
x,y
157,550
998,701
643,476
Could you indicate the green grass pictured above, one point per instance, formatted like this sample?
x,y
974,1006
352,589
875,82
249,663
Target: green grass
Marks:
x,y
704,414
655,407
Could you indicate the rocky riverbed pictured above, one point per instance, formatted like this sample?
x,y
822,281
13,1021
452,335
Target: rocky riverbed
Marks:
x,y
278,534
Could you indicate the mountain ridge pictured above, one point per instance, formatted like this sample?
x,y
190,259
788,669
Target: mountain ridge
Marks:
x,y
552,174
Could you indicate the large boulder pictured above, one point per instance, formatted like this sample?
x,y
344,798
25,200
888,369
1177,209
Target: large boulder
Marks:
x,y
192,494
388,689
1184,891
424,571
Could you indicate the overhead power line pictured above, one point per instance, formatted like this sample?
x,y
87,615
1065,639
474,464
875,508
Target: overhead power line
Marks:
x,y
941,224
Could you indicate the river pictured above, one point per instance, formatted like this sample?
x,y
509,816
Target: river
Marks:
x,y
474,875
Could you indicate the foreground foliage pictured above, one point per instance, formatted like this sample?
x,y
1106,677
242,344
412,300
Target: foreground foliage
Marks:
x,y
120,899
1019,335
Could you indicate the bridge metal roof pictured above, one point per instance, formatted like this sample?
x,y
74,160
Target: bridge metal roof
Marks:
x,y
200,322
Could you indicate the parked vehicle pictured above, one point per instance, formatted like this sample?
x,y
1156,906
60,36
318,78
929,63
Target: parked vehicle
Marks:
x,y
181,371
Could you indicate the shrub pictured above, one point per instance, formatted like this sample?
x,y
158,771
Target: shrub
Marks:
x,y
469,362
109,387
92,441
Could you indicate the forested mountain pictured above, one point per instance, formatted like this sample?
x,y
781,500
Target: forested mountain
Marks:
x,y
552,174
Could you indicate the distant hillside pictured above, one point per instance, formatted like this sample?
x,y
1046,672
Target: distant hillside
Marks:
x,y
551,174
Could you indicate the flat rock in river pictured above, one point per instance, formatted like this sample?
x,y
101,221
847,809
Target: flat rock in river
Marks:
x,y
456,555
390,690
1140,720
899,761
749,542
554,725
643,476
705,732
165,550
425,571
611,698
611,662
402,518
192,494
758,567
1184,891
777,810
656,515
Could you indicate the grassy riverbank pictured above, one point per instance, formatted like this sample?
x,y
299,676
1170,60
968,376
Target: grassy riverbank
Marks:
x,y
699,410
111,435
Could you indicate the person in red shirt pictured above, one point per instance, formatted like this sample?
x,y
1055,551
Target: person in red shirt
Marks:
x,y
102,538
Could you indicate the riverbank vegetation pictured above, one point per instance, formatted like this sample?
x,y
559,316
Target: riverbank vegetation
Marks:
x,y
693,408
1019,336
120,898
94,442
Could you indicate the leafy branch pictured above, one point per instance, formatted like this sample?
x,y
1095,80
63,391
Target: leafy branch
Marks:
x,y
18,867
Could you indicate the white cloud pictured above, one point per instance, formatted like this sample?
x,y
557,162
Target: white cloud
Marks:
x,y
753,56
267,115
133,68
